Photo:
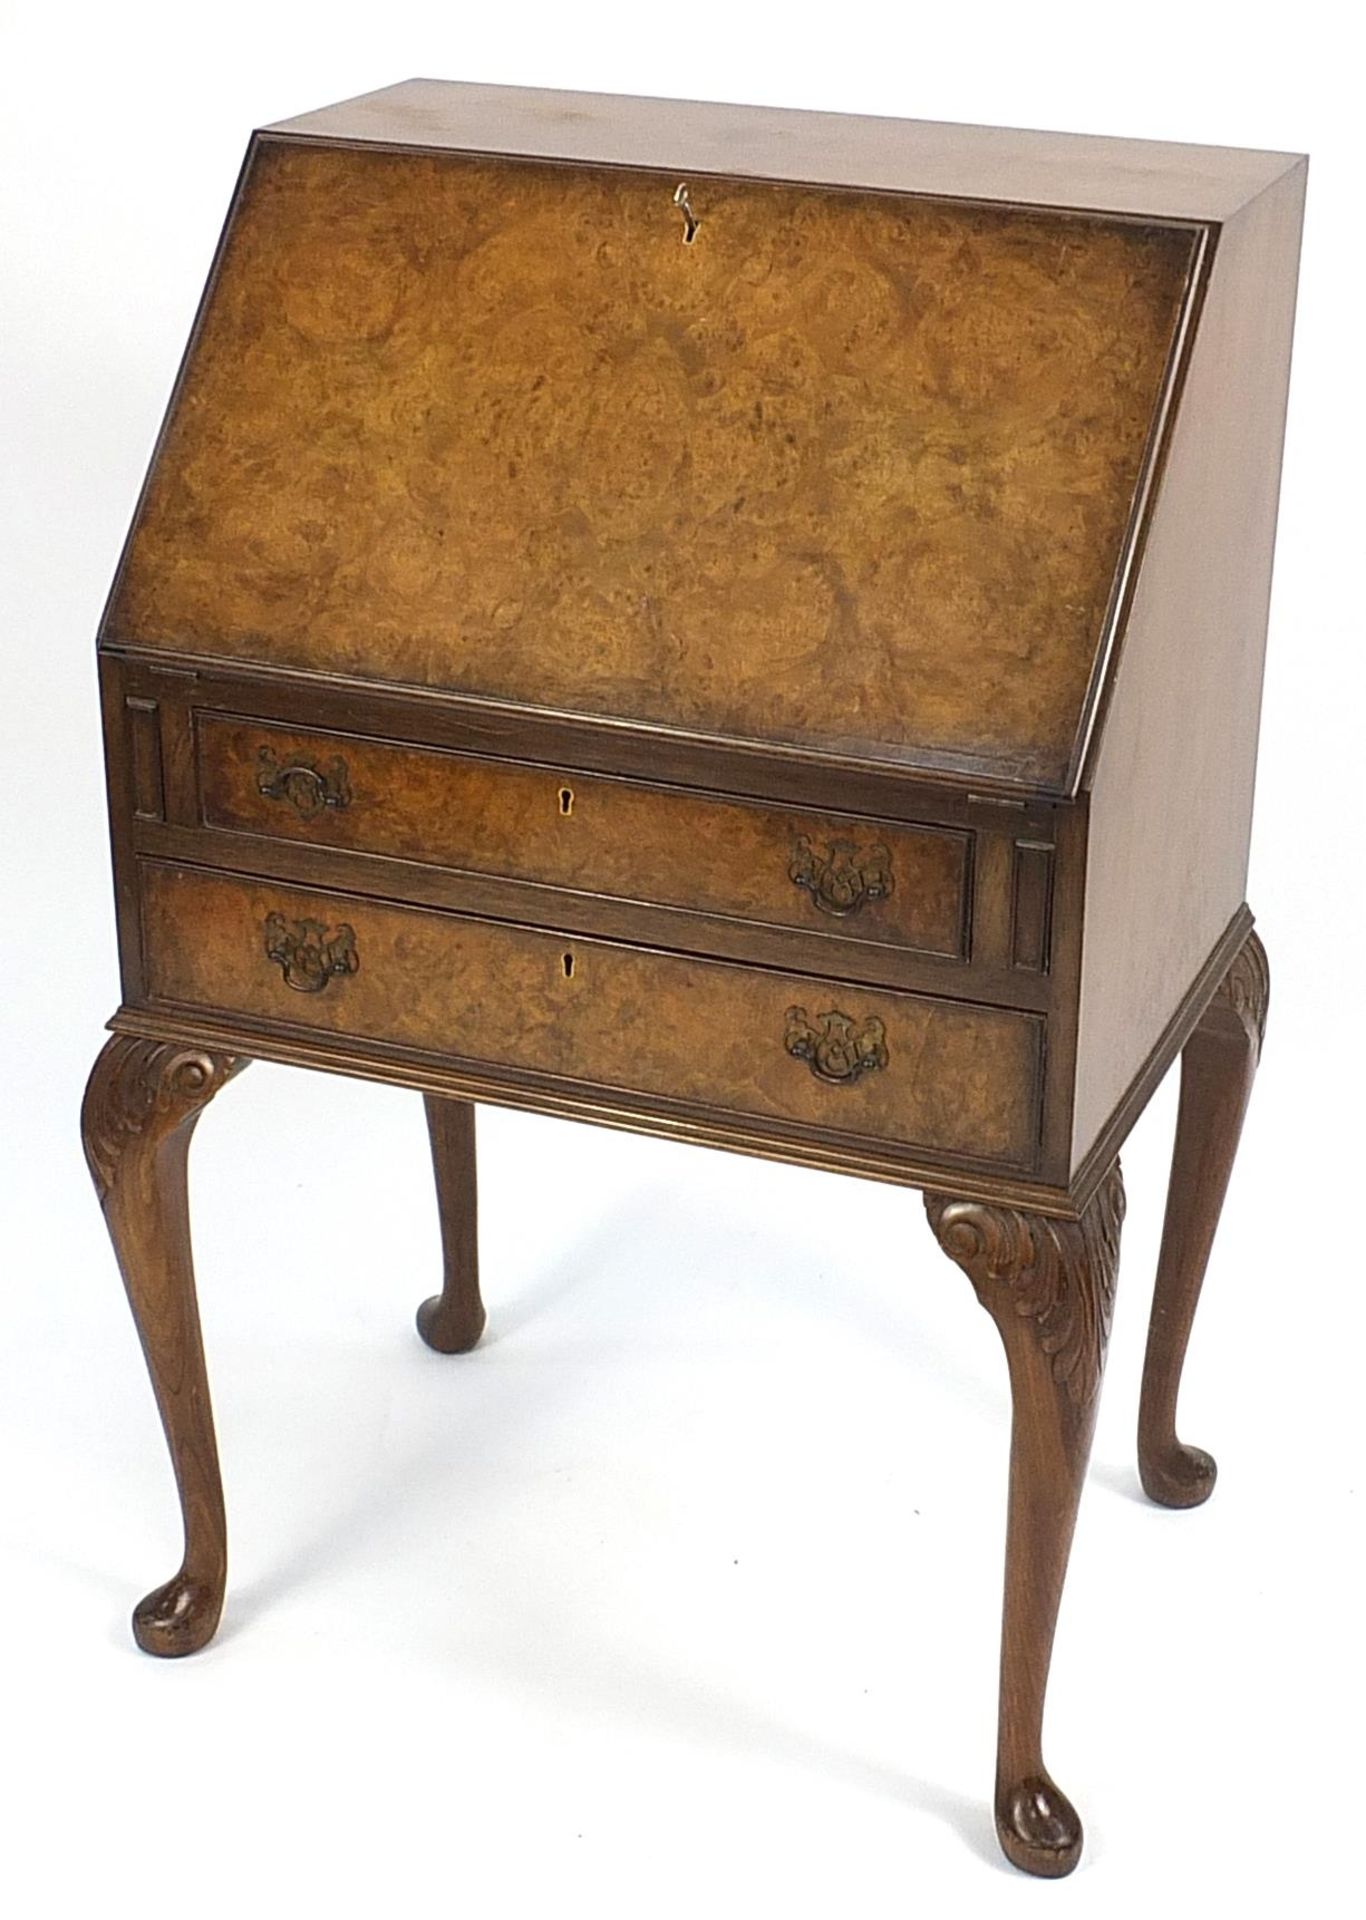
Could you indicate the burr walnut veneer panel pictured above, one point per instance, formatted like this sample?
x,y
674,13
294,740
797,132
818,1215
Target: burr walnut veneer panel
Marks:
x,y
845,471
953,1078
866,880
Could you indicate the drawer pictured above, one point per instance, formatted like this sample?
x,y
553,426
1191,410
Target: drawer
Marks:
x,y
902,1069
867,880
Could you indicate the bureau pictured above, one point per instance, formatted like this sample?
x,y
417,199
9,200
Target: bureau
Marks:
x,y
735,624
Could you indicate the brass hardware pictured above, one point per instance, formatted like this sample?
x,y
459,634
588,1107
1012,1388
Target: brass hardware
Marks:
x,y
307,788
567,962
837,1047
842,879
690,220
308,953
566,800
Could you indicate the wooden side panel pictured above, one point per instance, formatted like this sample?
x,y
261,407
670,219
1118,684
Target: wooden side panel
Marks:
x,y
1171,789
833,470
865,880
955,1079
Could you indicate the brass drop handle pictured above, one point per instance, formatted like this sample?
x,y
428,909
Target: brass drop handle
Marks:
x,y
308,953
308,788
843,878
836,1047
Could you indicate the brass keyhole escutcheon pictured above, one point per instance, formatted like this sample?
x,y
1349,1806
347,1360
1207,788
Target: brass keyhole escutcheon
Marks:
x,y
567,962
566,800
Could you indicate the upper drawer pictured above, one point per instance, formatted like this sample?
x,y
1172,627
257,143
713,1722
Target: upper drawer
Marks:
x,y
867,880
851,472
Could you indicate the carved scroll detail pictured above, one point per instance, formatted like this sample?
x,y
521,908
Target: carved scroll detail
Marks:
x,y
1060,1273
1246,988
140,1083
837,1047
842,878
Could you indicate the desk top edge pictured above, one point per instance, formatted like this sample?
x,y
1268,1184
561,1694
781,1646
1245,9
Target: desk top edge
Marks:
x,y
1101,173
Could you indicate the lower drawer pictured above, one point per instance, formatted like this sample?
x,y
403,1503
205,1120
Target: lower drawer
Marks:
x,y
898,1068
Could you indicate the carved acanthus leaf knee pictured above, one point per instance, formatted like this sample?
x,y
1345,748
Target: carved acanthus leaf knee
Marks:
x,y
144,1084
1058,1275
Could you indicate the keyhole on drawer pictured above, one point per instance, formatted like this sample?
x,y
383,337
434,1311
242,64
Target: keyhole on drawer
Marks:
x,y
567,962
690,219
566,799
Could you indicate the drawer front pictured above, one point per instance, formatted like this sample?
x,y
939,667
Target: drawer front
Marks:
x,y
893,1067
865,880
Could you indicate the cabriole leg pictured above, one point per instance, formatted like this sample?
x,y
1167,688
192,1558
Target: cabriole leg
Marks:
x,y
1049,1286
452,1320
1218,1065
141,1105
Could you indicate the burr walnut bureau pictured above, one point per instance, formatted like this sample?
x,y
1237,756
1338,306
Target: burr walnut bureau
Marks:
x,y
735,624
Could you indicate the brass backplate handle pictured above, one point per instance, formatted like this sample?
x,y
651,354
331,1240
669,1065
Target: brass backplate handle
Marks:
x,y
844,877
307,787
308,953
836,1047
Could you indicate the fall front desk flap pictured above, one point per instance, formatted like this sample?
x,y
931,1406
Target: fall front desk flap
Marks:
x,y
851,471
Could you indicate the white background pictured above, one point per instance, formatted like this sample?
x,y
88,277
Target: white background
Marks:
x,y
680,1596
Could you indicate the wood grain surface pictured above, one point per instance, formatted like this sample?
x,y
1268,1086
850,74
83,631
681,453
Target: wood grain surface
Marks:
x,y
850,471
1218,1067
141,1105
451,1321
1174,766
1050,1287
609,837
960,1079
1028,167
